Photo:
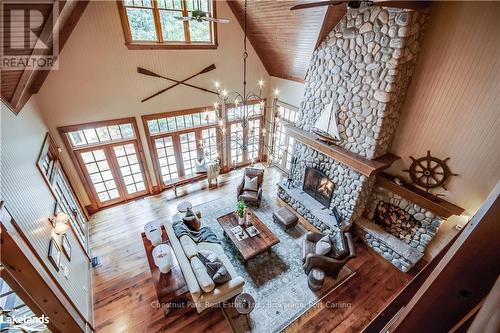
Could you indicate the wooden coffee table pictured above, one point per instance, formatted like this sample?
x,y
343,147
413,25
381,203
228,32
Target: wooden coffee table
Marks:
x,y
250,246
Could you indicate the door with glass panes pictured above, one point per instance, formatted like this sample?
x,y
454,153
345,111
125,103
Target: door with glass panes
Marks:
x,y
114,172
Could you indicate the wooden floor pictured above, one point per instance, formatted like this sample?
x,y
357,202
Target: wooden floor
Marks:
x,y
124,296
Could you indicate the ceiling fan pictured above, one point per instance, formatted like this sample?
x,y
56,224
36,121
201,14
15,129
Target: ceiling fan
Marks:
x,y
200,16
416,5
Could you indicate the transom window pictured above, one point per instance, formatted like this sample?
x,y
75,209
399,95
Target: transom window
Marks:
x,y
102,134
175,123
155,22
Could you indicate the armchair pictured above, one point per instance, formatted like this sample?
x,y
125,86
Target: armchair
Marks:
x,y
251,197
331,263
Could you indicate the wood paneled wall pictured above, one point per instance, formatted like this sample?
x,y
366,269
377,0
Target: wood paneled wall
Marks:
x,y
452,106
29,200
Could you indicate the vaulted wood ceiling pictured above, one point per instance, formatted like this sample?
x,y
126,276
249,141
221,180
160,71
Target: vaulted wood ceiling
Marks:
x,y
18,85
285,39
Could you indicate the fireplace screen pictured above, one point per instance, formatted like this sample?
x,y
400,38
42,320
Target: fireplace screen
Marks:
x,y
318,186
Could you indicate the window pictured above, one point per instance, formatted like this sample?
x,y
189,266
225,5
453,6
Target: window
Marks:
x,y
103,134
175,123
283,144
111,163
179,139
236,143
154,23
166,158
248,136
209,145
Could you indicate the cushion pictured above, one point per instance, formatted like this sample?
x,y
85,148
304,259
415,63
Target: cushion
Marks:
x,y
191,220
249,196
339,246
189,246
215,268
200,272
251,184
201,166
323,246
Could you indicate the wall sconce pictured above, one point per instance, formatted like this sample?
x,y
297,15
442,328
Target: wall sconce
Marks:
x,y
60,222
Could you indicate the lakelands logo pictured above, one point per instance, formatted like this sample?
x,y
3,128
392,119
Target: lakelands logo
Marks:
x,y
10,322
29,34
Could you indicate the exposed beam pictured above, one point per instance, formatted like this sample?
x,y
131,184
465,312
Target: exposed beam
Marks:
x,y
333,16
32,80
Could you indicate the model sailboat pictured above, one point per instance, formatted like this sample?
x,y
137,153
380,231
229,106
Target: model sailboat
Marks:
x,y
326,127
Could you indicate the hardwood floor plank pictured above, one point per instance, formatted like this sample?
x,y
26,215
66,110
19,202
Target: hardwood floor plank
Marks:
x,y
124,295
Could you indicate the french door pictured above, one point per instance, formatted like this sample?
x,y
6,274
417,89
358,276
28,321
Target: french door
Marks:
x,y
248,137
177,153
114,171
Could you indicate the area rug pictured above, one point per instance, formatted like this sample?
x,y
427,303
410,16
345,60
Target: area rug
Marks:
x,y
276,280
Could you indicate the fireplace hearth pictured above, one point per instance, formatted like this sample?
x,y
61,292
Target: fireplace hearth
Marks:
x,y
318,186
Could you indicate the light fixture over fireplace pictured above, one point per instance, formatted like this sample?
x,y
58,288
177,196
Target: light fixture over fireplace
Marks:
x,y
318,186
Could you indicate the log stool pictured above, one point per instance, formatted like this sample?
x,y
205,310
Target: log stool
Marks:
x,y
315,279
286,218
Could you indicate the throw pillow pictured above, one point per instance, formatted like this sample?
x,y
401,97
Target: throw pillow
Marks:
x,y
251,184
323,246
215,268
191,220
200,272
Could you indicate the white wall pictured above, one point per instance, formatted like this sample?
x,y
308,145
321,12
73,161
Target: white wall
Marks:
x,y
452,105
97,79
290,92
30,202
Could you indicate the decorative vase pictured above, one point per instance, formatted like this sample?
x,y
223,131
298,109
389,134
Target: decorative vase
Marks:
x,y
162,256
153,233
241,220
248,218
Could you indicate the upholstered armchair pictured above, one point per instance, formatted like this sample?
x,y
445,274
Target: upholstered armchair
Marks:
x,y
342,250
251,197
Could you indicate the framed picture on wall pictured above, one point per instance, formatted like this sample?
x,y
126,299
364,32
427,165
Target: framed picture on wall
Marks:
x,y
66,246
54,254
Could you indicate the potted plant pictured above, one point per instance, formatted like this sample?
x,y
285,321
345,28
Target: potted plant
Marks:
x,y
240,212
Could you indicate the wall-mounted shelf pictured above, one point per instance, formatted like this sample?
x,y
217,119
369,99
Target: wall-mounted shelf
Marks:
x,y
441,207
363,165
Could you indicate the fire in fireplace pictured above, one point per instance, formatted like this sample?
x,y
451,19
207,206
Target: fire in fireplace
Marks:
x,y
318,186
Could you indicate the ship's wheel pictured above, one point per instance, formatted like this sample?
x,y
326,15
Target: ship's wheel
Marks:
x,y
429,172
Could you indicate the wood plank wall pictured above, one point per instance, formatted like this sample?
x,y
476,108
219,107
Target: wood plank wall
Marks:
x,y
31,203
453,99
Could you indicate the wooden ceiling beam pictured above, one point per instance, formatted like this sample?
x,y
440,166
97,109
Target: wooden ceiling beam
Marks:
x,y
31,80
333,16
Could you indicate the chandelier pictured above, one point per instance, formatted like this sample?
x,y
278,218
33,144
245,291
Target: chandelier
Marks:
x,y
242,103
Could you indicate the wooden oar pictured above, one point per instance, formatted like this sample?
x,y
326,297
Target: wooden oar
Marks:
x,y
205,70
145,71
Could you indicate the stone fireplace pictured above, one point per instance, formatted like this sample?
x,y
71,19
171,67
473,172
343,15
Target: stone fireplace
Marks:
x,y
318,186
364,67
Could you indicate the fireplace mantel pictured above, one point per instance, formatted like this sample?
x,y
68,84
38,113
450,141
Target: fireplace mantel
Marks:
x,y
363,165
441,208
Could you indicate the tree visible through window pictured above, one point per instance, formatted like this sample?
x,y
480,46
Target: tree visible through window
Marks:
x,y
154,21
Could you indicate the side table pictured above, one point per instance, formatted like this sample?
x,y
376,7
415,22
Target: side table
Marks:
x,y
171,288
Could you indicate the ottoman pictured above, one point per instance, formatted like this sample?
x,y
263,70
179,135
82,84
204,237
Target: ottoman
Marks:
x,y
285,217
315,279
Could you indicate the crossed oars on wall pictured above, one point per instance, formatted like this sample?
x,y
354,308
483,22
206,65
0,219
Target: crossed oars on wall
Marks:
x,y
150,73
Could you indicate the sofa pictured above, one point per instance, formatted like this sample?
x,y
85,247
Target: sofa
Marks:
x,y
251,197
204,292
